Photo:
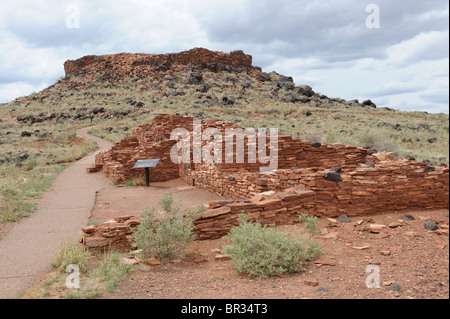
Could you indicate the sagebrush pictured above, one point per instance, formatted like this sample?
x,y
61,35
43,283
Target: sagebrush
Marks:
x,y
165,237
262,251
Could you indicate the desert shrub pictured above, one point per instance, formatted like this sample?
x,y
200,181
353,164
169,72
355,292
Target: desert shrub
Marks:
x,y
12,209
309,222
165,237
262,251
111,270
378,142
137,181
313,137
71,253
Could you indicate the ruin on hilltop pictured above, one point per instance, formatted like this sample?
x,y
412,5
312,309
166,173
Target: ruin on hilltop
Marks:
x,y
141,65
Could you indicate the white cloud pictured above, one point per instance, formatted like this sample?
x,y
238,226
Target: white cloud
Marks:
x,y
424,46
11,91
21,62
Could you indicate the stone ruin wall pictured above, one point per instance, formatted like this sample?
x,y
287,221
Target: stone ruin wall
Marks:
x,y
140,64
366,184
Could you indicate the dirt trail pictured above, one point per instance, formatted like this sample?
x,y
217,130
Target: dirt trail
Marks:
x,y
28,249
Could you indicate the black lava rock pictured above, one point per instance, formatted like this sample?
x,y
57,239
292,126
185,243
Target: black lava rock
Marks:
x,y
431,225
344,219
407,217
333,177
25,134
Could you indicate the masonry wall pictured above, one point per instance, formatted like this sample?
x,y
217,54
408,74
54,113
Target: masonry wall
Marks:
x,y
149,141
134,64
391,186
323,180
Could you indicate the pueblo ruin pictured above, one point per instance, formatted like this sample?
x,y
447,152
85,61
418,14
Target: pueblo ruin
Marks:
x,y
321,179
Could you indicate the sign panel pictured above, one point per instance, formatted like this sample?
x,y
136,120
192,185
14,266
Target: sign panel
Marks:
x,y
146,163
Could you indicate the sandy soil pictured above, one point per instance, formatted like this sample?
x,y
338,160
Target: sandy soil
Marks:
x,y
121,201
412,262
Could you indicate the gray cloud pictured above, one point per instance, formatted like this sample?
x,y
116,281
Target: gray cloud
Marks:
x,y
330,30
325,43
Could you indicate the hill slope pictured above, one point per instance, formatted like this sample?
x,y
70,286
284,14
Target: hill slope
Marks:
x,y
122,91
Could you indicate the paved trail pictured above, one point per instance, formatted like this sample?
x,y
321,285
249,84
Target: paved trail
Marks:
x,y
27,251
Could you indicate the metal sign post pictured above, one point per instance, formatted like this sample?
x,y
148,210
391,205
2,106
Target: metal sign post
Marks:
x,y
147,164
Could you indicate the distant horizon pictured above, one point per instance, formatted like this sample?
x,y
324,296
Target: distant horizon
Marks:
x,y
394,54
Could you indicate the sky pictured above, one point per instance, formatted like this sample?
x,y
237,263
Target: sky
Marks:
x,y
394,52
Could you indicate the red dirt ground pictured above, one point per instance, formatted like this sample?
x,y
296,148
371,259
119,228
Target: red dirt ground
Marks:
x,y
413,262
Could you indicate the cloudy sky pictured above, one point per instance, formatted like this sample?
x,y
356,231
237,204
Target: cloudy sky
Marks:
x,y
395,52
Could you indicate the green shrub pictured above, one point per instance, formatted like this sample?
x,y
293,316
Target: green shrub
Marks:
x,y
137,181
377,141
112,270
167,203
262,251
71,253
165,237
310,223
11,208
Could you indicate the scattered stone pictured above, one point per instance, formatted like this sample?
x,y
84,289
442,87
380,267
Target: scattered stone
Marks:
x,y
305,90
382,235
264,77
407,217
311,282
395,288
387,283
431,225
361,247
385,252
152,261
395,224
222,257
325,260
130,261
322,289
344,219
442,232
369,103
25,134
195,78
376,228
333,177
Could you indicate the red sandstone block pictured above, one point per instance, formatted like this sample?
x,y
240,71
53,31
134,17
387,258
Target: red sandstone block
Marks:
x,y
96,242
289,197
239,207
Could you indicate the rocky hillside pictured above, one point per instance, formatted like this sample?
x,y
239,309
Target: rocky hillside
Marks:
x,y
120,91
